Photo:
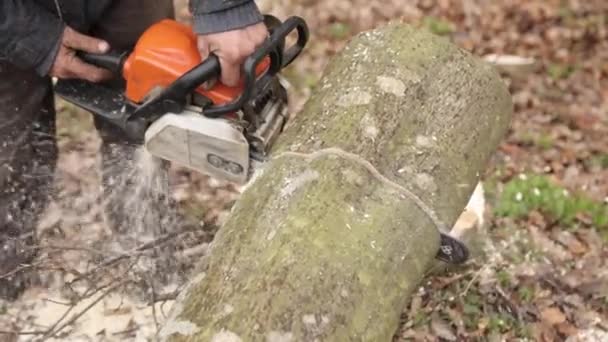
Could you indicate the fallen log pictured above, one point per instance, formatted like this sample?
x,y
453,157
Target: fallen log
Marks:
x,y
330,239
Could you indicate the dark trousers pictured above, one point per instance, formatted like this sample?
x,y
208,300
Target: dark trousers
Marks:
x,y
28,150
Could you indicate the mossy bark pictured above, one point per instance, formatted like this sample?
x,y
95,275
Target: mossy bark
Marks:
x,y
327,243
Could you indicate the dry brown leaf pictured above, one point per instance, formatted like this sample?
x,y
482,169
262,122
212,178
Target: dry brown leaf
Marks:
x,y
566,329
441,329
553,316
571,242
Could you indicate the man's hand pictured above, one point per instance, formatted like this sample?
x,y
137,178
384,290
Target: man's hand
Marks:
x,y
68,65
232,48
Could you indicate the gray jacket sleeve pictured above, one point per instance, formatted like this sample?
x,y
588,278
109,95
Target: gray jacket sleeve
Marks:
x,y
29,35
212,16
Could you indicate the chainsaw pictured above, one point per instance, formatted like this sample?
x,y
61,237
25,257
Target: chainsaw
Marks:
x,y
164,101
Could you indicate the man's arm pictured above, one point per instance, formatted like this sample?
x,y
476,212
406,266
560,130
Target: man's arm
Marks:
x,y
33,38
29,35
213,16
231,29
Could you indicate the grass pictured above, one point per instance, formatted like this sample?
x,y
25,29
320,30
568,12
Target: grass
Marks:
x,y
482,310
339,31
530,193
599,161
525,293
504,278
560,71
438,26
544,141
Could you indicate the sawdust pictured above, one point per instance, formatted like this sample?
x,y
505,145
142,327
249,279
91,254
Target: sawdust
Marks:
x,y
137,201
139,210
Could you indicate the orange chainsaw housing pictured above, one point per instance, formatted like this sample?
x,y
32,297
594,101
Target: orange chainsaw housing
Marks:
x,y
165,52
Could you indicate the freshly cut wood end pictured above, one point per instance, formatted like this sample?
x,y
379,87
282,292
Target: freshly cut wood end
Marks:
x,y
515,66
473,216
470,226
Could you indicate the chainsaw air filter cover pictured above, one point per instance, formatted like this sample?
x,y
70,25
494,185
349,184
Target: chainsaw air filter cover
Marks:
x,y
216,147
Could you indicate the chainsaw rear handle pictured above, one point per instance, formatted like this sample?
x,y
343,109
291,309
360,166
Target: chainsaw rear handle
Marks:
x,y
112,61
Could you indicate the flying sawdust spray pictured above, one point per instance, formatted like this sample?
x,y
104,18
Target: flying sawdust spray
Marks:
x,y
138,207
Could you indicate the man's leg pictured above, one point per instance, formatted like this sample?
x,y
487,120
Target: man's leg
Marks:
x,y
130,204
125,21
137,201
28,154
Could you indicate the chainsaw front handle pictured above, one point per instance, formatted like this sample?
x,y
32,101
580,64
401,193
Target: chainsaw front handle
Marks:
x,y
272,47
173,98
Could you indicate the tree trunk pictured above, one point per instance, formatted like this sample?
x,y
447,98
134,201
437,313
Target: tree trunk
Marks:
x,y
333,235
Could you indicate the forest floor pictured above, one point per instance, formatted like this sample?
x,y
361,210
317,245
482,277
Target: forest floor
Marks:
x,y
543,275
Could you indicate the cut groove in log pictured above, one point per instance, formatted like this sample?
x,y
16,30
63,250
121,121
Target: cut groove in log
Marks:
x,y
326,249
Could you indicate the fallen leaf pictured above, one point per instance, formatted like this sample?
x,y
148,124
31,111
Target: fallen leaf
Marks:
x,y
416,305
571,242
566,329
553,316
595,288
442,329
574,300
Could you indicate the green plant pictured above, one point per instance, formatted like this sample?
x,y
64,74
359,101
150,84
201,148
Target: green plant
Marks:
x,y
526,293
339,31
560,71
438,26
534,192
543,140
500,323
600,161
421,318
504,278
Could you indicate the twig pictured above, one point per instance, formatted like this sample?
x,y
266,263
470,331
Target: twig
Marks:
x,y
93,290
58,302
165,297
71,248
470,283
512,307
67,312
132,253
87,295
197,250
125,332
19,269
151,281
63,316
34,332
451,280
53,333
